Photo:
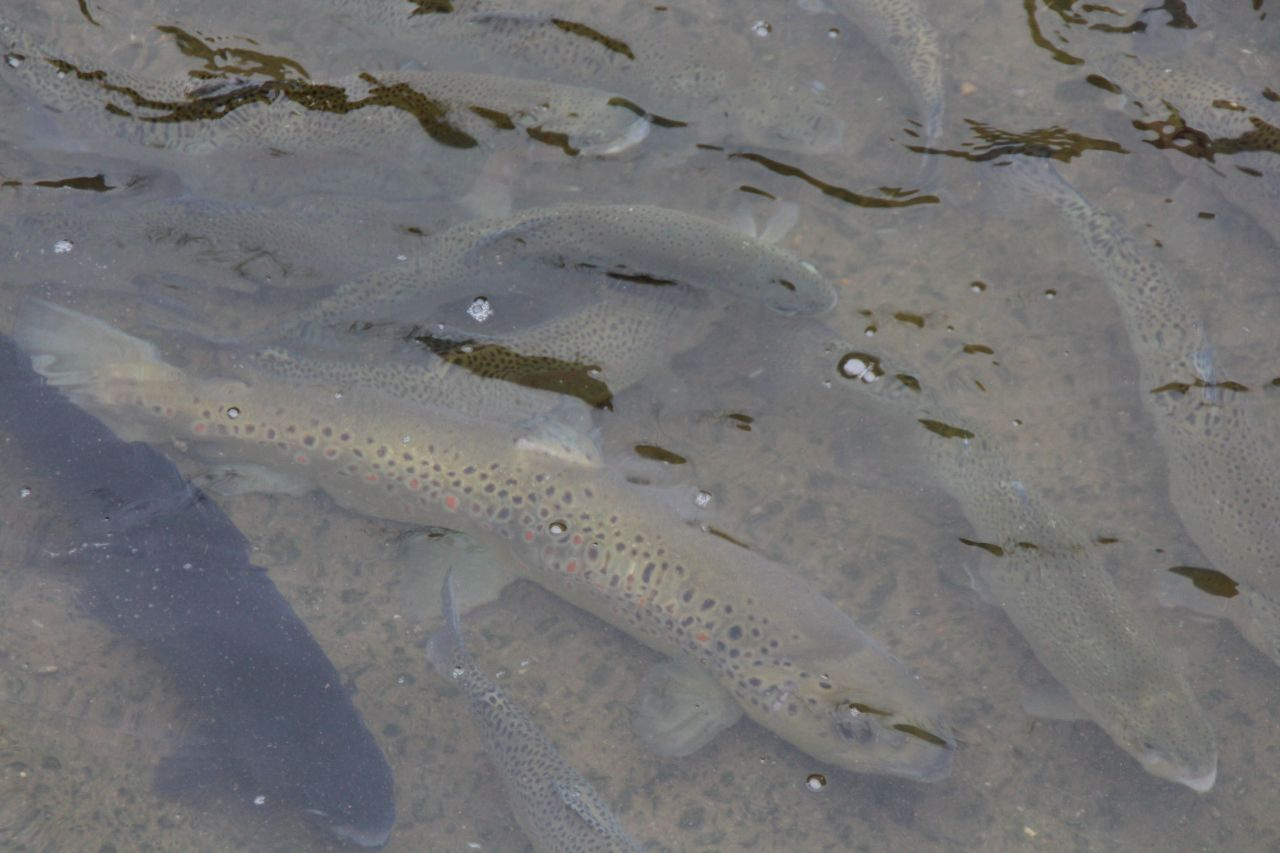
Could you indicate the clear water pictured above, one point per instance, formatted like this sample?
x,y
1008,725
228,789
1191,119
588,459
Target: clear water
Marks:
x,y
837,490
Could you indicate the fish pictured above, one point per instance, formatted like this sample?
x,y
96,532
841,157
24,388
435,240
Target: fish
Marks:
x,y
408,111
1099,647
555,805
901,31
791,660
250,246
1221,118
652,62
642,245
167,569
1215,448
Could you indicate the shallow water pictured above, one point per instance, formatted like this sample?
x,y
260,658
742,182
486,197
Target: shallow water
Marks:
x,y
835,489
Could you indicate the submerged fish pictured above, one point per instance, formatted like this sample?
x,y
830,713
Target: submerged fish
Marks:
x,y
900,30
1219,481
558,809
656,63
174,575
368,111
790,659
636,244
1060,598
1219,118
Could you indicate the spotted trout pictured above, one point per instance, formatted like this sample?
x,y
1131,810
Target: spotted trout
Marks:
x,y
794,662
900,31
1063,602
435,109
1215,450
643,245
558,809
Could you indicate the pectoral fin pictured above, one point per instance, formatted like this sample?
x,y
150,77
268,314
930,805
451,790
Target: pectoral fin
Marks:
x,y
679,709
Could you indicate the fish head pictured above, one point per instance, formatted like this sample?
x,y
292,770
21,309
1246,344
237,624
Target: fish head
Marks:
x,y
596,124
338,799
862,712
1168,733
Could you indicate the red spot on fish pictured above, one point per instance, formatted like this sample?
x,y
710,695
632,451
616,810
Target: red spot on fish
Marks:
x,y
301,459
577,539
415,484
529,535
702,637
199,429
450,502
371,478
571,566
331,452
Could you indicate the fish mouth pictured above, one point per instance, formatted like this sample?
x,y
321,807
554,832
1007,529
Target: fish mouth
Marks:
x,y
938,769
361,836
370,838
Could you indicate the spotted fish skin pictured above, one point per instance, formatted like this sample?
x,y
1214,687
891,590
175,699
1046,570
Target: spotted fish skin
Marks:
x,y
1054,590
559,810
902,32
643,244
1216,453
1234,118
650,61
794,662
365,111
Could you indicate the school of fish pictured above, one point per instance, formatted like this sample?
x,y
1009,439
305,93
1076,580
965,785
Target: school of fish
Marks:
x,y
465,375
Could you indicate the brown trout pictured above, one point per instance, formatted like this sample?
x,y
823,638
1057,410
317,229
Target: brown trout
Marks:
x,y
558,809
425,110
638,244
1219,118
793,661
654,61
1219,482
900,31
1065,604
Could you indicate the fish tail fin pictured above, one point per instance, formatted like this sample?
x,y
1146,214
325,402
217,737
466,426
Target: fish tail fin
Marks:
x,y
445,648
84,357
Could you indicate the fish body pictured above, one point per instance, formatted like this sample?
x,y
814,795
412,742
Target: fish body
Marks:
x,y
1216,453
652,61
1231,119
641,245
559,810
1062,600
793,661
175,576
420,110
902,32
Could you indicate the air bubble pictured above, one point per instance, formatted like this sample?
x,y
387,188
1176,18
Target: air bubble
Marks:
x,y
816,782
233,412
762,28
702,499
260,800
24,492
480,309
558,528
13,60
1050,294
406,439
833,33
62,247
